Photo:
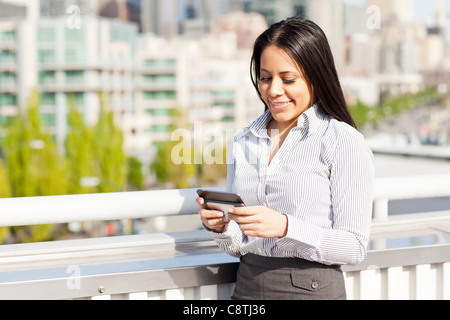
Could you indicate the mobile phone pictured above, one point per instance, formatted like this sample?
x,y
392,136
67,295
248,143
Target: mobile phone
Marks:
x,y
221,201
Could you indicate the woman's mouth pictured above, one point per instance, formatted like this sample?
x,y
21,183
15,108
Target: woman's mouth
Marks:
x,y
280,105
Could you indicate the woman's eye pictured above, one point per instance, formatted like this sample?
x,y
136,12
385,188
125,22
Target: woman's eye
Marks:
x,y
264,79
289,81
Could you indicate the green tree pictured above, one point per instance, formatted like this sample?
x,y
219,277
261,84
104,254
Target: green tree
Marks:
x,y
167,172
111,161
135,178
5,192
212,174
79,151
173,164
34,166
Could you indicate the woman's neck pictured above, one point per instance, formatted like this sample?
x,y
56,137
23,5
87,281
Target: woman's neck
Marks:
x,y
281,128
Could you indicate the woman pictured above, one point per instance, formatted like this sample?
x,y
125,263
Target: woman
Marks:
x,y
303,171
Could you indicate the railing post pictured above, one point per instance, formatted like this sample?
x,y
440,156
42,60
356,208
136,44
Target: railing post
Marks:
x,y
380,209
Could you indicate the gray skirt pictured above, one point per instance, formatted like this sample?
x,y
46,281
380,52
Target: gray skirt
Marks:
x,y
264,278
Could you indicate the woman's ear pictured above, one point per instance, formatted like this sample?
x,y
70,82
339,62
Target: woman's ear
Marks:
x,y
312,95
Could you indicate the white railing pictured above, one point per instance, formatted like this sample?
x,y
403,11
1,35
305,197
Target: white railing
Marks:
x,y
97,207
407,187
143,204
189,265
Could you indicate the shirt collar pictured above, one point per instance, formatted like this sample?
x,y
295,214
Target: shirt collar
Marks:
x,y
308,120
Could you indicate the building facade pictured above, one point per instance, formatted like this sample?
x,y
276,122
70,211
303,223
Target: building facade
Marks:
x,y
144,78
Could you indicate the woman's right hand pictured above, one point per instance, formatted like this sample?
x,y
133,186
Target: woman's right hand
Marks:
x,y
212,219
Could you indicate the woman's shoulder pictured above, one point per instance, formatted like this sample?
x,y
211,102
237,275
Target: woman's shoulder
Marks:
x,y
340,138
339,131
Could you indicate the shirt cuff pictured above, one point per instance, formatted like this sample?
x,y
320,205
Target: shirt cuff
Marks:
x,y
300,236
227,234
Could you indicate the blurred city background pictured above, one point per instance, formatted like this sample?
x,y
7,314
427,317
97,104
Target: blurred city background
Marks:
x,y
91,92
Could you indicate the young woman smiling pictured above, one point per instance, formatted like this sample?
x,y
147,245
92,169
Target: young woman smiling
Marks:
x,y
303,171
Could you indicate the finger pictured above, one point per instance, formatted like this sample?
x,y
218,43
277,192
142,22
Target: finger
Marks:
x,y
243,211
243,219
248,229
200,201
250,233
214,223
210,214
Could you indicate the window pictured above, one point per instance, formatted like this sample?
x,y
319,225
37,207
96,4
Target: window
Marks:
x,y
74,77
46,77
121,34
222,94
228,119
48,119
160,63
7,57
46,34
160,95
78,98
7,78
48,98
8,99
75,55
159,112
46,56
7,36
160,79
161,128
225,105
74,35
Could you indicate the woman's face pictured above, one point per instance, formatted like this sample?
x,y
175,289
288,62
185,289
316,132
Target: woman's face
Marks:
x,y
282,86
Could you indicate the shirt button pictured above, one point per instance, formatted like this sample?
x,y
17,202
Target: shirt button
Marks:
x,y
314,285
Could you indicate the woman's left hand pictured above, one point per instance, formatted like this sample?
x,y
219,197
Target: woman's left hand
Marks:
x,y
260,221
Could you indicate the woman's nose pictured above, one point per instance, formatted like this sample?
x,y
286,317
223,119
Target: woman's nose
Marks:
x,y
276,88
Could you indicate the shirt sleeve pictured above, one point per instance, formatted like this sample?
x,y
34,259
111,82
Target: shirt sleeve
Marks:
x,y
351,186
232,238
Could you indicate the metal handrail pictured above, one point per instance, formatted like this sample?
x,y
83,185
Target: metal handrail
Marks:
x,y
407,187
143,204
96,207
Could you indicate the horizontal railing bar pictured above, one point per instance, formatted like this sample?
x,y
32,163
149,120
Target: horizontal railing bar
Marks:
x,y
387,258
97,207
101,250
427,152
209,270
411,221
144,204
412,187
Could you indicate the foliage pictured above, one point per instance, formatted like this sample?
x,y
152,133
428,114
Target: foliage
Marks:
x,y
210,174
135,178
176,162
34,166
364,114
174,165
5,192
167,172
79,151
111,161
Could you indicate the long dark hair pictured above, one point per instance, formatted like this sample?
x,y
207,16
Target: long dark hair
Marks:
x,y
306,43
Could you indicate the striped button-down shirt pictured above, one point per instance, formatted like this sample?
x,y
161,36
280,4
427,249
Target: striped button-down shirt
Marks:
x,y
321,177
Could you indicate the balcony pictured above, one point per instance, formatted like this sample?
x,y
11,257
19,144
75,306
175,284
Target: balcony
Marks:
x,y
188,264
